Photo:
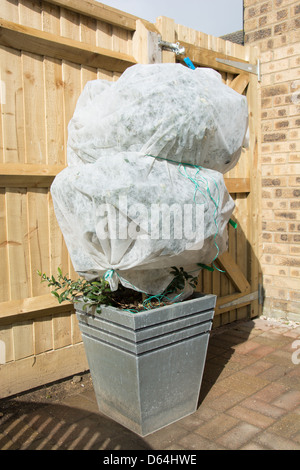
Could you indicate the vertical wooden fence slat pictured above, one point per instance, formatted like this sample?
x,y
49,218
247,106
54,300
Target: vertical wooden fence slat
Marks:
x,y
23,340
69,24
104,39
88,28
87,74
59,256
34,107
72,89
254,202
4,271
38,219
30,13
2,104
51,18
231,315
61,331
75,331
12,110
71,75
54,100
6,335
43,335
17,242
104,35
166,27
10,10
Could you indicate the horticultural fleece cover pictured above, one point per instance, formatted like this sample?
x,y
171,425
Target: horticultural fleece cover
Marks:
x,y
144,190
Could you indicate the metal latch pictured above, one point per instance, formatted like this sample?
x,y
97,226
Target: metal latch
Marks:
x,y
172,46
242,66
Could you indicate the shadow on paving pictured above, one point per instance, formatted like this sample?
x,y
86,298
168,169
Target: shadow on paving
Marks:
x,y
222,345
58,427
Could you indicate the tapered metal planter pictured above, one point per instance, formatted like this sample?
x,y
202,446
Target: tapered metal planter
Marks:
x,y
147,367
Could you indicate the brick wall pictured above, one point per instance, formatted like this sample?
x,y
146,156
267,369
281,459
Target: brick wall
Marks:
x,y
274,26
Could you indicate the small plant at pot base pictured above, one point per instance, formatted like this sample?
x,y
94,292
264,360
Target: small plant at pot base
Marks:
x,y
91,293
180,279
98,292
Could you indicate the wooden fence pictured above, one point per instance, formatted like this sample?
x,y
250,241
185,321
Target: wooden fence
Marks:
x,y
49,50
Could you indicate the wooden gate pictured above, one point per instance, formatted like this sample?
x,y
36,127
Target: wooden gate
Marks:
x,y
49,50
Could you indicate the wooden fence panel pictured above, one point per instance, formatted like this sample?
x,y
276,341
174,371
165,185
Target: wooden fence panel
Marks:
x,y
48,51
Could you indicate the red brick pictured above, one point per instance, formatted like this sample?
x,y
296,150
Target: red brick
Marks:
x,y
274,137
281,28
289,401
294,227
193,441
274,373
281,124
262,351
269,393
294,295
250,416
238,436
246,347
263,407
283,238
278,226
215,427
266,6
285,215
287,261
271,182
288,426
274,90
257,367
282,14
227,400
275,442
263,20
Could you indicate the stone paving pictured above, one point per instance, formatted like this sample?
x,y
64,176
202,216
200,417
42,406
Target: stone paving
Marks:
x,y
250,400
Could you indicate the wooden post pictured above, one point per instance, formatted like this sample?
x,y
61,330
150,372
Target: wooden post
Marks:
x,y
166,27
254,201
145,43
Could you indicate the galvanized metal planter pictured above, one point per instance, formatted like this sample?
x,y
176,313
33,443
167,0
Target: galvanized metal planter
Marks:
x,y
147,367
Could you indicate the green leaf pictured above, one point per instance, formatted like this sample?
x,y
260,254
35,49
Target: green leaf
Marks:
x,y
175,269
